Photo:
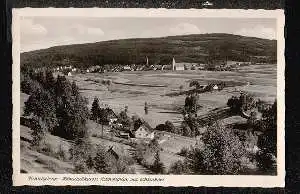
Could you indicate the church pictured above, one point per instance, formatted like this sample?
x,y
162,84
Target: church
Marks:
x,y
177,67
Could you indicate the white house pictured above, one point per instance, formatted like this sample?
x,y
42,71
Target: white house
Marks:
x,y
144,132
207,4
69,74
215,87
127,68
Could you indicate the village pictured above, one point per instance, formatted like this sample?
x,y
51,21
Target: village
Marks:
x,y
216,65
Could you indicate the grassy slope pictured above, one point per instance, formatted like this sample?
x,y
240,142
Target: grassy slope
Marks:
x,y
187,48
35,162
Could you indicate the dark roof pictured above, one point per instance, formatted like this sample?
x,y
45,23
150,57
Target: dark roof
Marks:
x,y
110,112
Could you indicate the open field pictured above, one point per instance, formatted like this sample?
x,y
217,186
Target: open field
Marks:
x,y
135,88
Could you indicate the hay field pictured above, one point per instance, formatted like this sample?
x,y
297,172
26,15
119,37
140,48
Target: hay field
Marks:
x,y
133,89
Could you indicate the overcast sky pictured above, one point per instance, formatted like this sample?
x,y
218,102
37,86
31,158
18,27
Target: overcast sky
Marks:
x,y
45,32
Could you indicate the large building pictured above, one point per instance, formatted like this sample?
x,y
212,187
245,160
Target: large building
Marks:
x,y
177,67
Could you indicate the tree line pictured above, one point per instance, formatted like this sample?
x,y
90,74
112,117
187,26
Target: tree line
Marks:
x,y
55,103
56,106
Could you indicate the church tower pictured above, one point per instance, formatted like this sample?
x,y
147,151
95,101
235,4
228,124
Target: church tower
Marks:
x,y
147,62
173,64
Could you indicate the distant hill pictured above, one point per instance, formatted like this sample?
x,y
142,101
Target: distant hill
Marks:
x,y
187,48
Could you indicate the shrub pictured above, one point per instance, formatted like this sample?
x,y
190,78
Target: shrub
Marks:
x,y
183,152
95,109
244,102
38,133
90,162
221,154
186,130
179,167
100,161
267,142
41,105
169,127
160,127
29,86
266,162
191,103
79,153
157,167
61,153
234,104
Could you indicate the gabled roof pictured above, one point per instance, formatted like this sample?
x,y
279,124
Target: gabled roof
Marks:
x,y
111,112
146,126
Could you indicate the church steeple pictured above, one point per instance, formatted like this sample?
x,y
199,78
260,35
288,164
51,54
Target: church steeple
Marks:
x,y
147,62
173,64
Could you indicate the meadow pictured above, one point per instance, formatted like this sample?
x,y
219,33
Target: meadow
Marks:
x,y
133,89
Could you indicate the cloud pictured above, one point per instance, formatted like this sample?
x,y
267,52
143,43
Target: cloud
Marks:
x,y
184,28
85,30
28,27
258,31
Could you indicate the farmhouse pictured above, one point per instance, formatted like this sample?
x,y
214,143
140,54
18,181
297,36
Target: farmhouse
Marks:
x,y
215,87
110,116
127,68
144,132
207,4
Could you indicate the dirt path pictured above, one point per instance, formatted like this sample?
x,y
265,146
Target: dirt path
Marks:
x,y
139,169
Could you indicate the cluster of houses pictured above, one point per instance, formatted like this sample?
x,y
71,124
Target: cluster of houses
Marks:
x,y
174,66
142,132
66,69
145,67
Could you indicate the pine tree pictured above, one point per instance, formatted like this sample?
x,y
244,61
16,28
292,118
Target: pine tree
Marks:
x,y
75,89
79,153
41,105
38,133
50,81
157,166
100,162
267,142
90,162
95,109
71,111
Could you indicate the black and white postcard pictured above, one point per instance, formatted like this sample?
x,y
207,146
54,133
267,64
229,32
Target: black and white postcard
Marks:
x,y
148,97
